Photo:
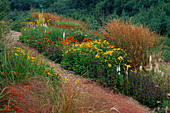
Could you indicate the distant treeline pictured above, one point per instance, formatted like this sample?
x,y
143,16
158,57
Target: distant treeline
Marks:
x,y
152,13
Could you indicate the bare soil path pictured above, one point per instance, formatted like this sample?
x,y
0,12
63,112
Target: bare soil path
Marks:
x,y
101,98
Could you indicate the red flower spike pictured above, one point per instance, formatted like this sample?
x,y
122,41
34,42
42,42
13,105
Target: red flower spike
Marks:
x,y
7,108
31,111
21,94
14,94
17,109
28,87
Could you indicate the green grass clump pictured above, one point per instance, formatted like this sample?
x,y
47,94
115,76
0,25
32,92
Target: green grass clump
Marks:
x,y
17,64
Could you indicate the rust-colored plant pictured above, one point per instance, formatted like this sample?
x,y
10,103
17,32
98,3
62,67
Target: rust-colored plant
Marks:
x,y
137,40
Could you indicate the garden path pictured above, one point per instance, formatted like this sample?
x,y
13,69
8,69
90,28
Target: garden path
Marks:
x,y
101,98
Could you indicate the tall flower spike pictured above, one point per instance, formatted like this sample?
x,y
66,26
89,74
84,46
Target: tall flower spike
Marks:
x,y
64,35
140,68
150,58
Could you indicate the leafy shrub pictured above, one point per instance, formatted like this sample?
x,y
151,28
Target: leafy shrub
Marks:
x,y
136,40
55,54
98,60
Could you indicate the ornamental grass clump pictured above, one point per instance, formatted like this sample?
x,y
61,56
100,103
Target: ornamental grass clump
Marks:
x,y
138,41
99,60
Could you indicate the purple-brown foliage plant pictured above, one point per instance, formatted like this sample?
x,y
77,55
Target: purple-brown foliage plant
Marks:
x,y
138,41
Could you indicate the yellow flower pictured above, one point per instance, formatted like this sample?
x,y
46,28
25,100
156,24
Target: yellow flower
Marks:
x,y
105,60
118,49
109,65
127,65
24,29
66,78
67,51
59,75
120,58
77,81
16,54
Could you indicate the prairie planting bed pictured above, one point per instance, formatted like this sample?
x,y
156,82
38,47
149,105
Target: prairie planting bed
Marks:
x,y
120,57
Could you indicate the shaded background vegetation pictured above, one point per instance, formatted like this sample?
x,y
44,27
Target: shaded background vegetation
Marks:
x,y
152,13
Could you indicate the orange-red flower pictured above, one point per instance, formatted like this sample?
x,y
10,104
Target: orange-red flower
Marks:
x,y
21,94
60,42
14,72
61,47
31,111
46,36
38,42
30,38
60,38
17,109
7,108
41,42
53,42
41,30
73,40
44,41
57,47
14,94
49,32
66,47
48,40
28,87
3,72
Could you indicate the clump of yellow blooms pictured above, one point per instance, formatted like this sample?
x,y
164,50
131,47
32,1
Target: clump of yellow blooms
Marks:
x,y
100,51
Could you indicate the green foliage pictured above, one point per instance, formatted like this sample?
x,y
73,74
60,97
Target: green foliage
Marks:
x,y
17,65
54,53
155,17
4,8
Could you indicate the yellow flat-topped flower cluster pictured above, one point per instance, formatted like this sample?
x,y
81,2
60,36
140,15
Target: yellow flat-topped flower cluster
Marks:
x,y
97,52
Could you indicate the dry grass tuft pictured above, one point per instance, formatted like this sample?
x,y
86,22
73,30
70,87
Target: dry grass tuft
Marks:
x,y
136,40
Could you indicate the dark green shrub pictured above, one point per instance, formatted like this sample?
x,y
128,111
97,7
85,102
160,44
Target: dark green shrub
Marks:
x,y
55,54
